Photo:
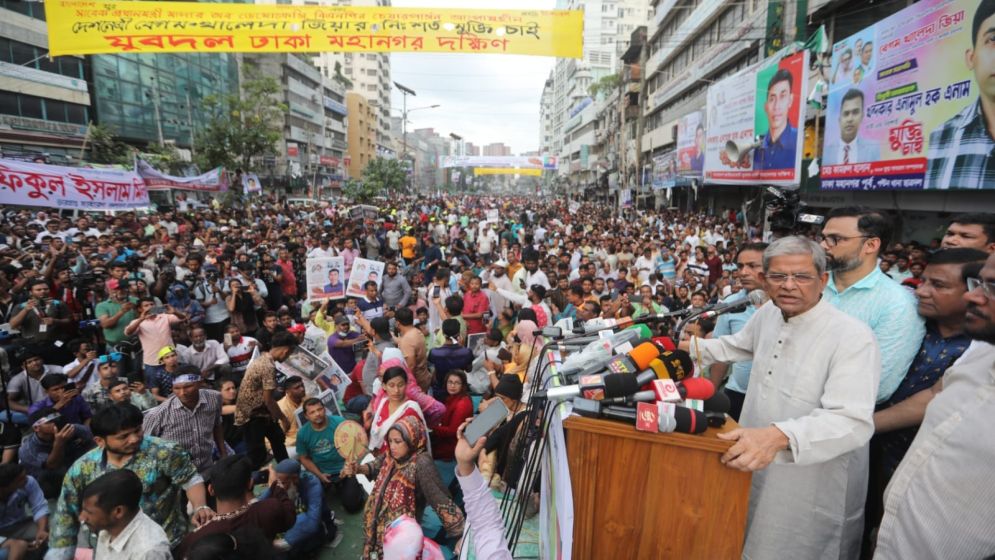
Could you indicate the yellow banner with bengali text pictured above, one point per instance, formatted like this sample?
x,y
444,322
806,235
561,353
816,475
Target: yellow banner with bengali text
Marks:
x,y
94,27
507,171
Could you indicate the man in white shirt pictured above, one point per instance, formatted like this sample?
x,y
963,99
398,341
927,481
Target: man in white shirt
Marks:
x,y
645,265
208,356
938,504
110,507
808,412
529,274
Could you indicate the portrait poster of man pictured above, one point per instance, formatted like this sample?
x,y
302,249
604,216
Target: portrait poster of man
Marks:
x,y
916,104
691,144
363,271
325,278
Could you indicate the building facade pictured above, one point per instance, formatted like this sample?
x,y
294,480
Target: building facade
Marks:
x,y
362,133
45,103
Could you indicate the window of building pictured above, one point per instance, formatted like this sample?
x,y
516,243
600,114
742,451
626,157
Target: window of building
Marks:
x,y
31,106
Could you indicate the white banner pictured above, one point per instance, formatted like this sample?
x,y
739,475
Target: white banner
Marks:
x,y
55,186
212,181
528,162
363,271
325,278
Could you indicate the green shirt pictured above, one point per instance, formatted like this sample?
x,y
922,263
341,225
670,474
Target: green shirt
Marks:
x,y
110,308
319,446
165,470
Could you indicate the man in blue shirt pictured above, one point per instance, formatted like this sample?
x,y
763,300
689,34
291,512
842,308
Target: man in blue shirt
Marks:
x,y
777,149
750,265
371,305
853,238
18,490
314,521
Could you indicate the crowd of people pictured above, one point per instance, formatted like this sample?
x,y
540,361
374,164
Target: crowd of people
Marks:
x,y
150,409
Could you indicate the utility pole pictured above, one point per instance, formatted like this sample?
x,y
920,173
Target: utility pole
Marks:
x,y
640,118
405,92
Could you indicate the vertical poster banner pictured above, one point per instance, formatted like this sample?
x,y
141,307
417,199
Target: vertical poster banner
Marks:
x,y
754,119
325,278
664,170
363,271
691,145
909,100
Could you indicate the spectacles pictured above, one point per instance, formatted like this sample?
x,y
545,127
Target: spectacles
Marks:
x,y
112,357
833,240
782,278
987,286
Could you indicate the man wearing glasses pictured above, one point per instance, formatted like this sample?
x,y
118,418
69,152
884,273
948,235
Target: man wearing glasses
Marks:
x,y
854,238
938,504
808,413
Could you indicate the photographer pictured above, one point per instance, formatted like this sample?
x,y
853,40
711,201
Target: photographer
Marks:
x,y
115,313
242,302
41,320
153,327
209,293
272,276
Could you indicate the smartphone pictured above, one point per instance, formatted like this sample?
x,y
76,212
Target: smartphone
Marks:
x,y
71,386
495,414
228,339
436,291
158,310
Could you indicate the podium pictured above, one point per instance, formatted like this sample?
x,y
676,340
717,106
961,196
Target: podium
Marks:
x,y
645,495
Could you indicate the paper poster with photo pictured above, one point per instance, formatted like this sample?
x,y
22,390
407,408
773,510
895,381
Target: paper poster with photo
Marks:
x,y
331,402
474,341
305,363
363,271
908,101
493,215
755,124
691,144
334,378
325,278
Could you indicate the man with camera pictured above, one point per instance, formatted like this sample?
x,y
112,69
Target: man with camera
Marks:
x,y
115,313
210,295
41,319
153,327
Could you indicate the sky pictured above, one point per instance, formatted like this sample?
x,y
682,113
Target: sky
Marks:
x,y
484,98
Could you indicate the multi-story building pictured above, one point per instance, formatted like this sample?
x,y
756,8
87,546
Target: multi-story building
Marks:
x,y
312,149
471,149
497,149
362,133
367,74
431,146
567,109
45,103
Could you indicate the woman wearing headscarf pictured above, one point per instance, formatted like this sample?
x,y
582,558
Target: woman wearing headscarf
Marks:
x,y
405,481
432,409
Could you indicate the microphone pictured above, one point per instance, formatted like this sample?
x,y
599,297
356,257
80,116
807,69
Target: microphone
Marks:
x,y
663,416
673,364
755,298
697,388
718,403
594,387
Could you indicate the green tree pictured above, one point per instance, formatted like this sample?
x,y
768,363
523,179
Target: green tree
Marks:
x,y
106,148
165,158
358,191
604,85
383,176
242,126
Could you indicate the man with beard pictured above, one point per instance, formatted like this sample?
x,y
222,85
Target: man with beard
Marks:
x,y
164,468
938,504
529,275
853,238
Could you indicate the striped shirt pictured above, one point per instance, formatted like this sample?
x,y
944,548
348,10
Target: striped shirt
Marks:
x,y
960,152
193,429
939,503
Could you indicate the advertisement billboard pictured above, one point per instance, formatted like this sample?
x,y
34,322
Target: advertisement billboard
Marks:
x,y
754,122
691,144
909,101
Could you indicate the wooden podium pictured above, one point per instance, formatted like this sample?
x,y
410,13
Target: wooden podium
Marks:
x,y
643,495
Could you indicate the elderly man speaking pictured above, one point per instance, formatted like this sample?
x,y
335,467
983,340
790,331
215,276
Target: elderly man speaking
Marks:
x,y
808,413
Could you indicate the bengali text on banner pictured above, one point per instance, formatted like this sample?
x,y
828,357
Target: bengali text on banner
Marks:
x,y
93,26
54,186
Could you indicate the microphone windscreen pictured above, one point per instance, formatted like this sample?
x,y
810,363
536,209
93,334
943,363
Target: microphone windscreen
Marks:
x,y
719,402
689,420
698,388
665,342
643,354
620,385
643,330
678,363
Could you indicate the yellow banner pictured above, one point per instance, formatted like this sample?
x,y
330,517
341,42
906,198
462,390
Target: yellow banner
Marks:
x,y
507,171
93,27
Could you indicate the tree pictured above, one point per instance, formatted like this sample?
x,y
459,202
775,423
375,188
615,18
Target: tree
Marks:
x,y
358,191
604,85
384,176
165,158
242,126
105,148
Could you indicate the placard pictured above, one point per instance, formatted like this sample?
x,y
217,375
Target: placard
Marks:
x,y
325,278
363,271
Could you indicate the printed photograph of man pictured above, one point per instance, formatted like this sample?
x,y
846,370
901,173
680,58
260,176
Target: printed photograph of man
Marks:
x,y
844,67
866,52
777,148
334,287
698,157
959,155
849,147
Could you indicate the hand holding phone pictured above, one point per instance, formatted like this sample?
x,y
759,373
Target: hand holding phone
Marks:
x,y
486,421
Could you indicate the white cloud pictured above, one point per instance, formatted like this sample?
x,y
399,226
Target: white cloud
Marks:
x,y
483,97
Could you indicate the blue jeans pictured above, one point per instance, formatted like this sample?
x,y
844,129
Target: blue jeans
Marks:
x,y
18,418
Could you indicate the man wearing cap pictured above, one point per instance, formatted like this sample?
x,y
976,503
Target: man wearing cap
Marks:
x,y
191,417
313,525
115,313
160,379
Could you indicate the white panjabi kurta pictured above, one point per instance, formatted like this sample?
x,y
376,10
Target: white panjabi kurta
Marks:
x,y
815,377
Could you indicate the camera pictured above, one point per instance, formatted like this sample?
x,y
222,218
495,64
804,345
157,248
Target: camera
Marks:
x,y
211,275
89,324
